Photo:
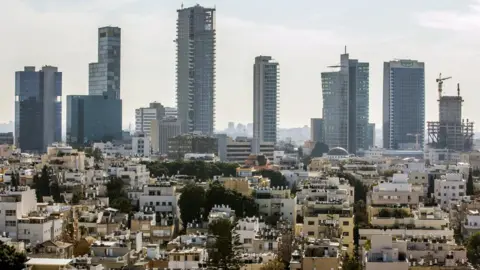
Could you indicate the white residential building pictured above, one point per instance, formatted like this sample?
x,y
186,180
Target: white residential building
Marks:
x,y
136,174
277,201
246,229
471,225
14,204
184,259
220,212
109,149
385,255
39,229
141,145
450,188
161,196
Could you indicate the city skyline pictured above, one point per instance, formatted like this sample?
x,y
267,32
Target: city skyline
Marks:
x,y
419,37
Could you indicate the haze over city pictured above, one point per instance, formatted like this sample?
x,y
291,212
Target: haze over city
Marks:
x,y
304,38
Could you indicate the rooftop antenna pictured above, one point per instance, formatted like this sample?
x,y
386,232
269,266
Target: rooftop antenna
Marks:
x,y
458,89
345,49
182,5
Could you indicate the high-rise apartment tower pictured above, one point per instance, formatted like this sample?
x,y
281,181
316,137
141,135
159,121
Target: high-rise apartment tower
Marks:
x,y
266,73
196,69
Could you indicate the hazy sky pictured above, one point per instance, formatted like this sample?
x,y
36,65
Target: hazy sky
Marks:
x,y
304,36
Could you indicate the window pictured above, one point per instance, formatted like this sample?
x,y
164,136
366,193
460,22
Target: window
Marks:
x,y
169,203
247,241
196,258
345,233
453,194
460,187
460,194
453,187
11,223
157,203
270,246
311,233
10,213
346,223
311,223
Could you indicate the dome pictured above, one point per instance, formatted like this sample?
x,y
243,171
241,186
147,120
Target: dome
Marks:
x,y
338,151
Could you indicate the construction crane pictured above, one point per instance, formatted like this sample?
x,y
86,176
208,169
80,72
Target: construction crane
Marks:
x,y
417,136
440,84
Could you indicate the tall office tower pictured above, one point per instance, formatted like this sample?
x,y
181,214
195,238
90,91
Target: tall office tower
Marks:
x,y
346,104
196,69
403,104
370,136
144,117
98,115
105,74
316,130
38,108
266,74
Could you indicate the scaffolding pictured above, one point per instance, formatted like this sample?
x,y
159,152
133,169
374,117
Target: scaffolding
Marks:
x,y
454,136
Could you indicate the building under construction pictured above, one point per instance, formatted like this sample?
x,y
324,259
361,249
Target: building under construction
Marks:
x,y
451,131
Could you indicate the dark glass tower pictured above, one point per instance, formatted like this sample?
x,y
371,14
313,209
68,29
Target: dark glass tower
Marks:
x,y
38,108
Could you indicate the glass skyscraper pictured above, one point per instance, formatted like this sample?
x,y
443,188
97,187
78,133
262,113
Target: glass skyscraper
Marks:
x,y
98,115
105,74
196,69
93,118
38,108
346,105
403,104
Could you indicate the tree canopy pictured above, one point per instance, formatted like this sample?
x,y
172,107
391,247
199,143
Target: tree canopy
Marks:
x,y
473,249
470,189
224,248
273,265
195,202
200,169
45,184
319,149
10,258
276,178
117,195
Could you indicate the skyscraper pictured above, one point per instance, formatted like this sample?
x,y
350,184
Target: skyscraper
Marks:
x,y
38,108
98,115
316,130
266,74
346,104
105,74
196,69
403,104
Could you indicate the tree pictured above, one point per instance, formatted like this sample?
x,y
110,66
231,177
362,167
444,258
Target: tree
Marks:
x,y
276,178
273,265
473,249
470,188
191,201
117,196
319,149
10,258
218,195
15,179
97,155
123,204
41,183
224,248
55,192
350,263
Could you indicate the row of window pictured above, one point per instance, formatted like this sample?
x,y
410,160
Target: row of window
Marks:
x,y
345,223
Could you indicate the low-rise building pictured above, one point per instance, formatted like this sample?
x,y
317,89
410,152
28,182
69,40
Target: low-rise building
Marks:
x,y
187,258
449,188
384,254
246,229
320,254
276,201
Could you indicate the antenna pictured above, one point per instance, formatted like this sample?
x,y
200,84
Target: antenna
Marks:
x,y
182,5
345,49
458,89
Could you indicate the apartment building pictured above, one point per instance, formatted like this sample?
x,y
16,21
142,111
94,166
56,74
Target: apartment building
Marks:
x,y
161,197
450,188
39,229
384,254
277,201
246,229
15,203
141,145
155,229
238,184
397,192
321,254
134,174
266,240
187,258
239,149
64,155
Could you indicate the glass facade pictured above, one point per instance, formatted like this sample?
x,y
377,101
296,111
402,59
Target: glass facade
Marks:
x,y
196,69
93,119
105,74
404,104
316,130
38,108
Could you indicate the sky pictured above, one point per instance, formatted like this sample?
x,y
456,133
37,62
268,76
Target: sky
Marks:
x,y
304,36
